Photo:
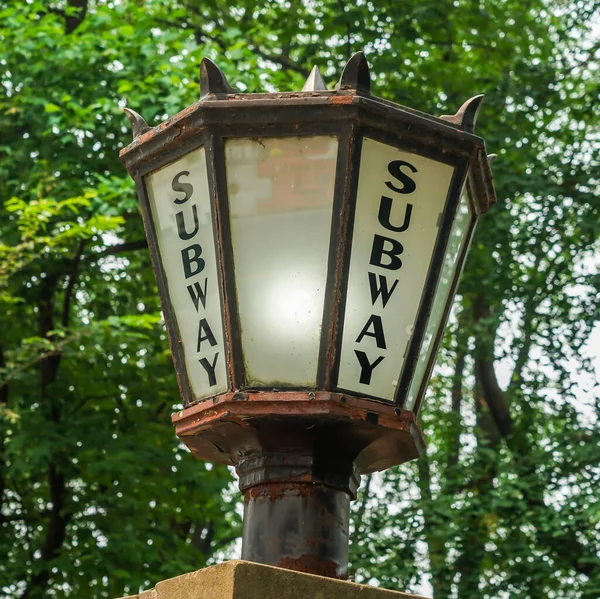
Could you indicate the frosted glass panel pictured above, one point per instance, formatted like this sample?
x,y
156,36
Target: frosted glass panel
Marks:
x,y
281,198
180,204
400,199
456,242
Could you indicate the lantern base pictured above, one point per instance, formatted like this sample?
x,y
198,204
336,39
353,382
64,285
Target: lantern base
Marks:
x,y
233,426
299,456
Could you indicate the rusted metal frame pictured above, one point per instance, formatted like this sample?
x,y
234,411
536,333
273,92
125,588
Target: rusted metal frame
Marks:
x,y
272,115
292,129
171,153
298,127
340,241
279,111
471,191
348,204
424,115
220,135
173,334
441,129
414,118
293,121
149,146
482,181
212,157
431,282
406,137
437,341
216,166
289,400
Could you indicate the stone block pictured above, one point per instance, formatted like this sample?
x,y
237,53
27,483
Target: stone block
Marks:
x,y
246,580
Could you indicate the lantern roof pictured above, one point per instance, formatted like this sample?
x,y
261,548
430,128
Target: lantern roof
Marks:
x,y
277,113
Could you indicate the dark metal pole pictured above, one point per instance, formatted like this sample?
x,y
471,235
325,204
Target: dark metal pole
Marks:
x,y
296,514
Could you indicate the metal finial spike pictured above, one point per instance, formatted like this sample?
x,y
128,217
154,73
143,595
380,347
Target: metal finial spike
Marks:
x,y
138,125
466,117
314,82
356,75
491,158
213,80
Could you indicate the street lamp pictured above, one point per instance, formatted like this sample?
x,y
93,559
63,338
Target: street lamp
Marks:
x,y
307,248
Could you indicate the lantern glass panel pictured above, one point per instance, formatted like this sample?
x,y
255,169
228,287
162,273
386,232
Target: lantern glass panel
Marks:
x,y
459,237
280,202
180,203
400,200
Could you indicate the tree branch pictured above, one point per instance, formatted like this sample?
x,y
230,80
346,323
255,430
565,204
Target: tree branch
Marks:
x,y
491,395
201,35
360,513
55,532
120,248
456,393
76,15
71,284
435,535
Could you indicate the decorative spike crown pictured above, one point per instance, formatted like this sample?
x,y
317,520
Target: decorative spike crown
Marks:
x,y
314,82
356,75
213,80
466,117
138,125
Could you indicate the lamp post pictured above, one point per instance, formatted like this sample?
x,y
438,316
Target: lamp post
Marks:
x,y
307,248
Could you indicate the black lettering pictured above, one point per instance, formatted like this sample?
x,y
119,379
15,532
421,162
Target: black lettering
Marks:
x,y
381,290
183,234
378,251
186,188
210,369
199,295
376,333
191,256
395,169
205,334
366,367
385,211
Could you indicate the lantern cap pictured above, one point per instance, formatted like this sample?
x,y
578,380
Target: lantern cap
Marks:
x,y
466,116
314,82
213,80
138,125
356,75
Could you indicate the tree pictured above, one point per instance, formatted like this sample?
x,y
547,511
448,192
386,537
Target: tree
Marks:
x,y
97,496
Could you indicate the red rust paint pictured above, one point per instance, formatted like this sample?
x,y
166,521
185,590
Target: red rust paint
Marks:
x,y
275,491
342,99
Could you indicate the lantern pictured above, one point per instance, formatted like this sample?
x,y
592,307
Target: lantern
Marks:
x,y
307,248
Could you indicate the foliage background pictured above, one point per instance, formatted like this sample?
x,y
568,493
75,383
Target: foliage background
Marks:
x,y
97,497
